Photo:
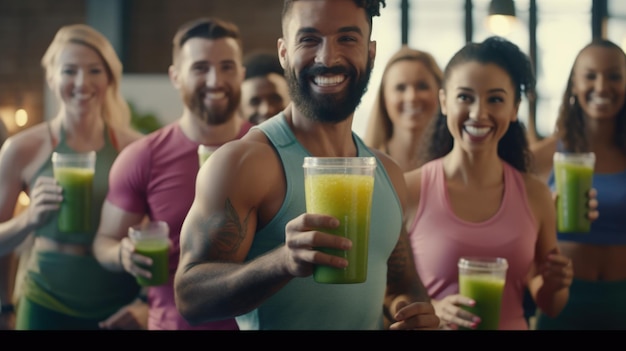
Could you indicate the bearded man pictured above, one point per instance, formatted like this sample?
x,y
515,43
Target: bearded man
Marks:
x,y
154,178
248,247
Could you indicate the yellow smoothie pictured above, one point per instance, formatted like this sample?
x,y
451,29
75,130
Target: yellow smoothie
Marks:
x,y
348,197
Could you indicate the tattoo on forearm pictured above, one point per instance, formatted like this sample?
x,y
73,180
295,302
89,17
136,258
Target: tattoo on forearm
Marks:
x,y
231,230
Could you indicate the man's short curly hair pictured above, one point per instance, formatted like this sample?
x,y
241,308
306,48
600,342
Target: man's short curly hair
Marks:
x,y
372,7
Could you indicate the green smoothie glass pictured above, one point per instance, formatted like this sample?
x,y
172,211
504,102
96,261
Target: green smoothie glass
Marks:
x,y
342,187
573,175
151,239
204,151
74,173
482,279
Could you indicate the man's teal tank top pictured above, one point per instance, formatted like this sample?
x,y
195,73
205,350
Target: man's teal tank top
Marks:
x,y
304,304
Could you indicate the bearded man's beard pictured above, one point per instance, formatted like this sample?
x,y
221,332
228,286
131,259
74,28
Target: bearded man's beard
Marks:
x,y
212,116
332,108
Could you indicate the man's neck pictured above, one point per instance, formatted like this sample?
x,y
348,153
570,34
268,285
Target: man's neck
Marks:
x,y
209,134
322,139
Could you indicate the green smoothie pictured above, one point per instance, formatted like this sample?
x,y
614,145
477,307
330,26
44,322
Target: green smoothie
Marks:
x,y
75,212
573,182
204,152
486,290
203,157
348,197
158,251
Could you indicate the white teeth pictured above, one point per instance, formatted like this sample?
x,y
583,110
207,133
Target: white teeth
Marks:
x,y
600,101
327,81
413,111
218,95
476,131
81,97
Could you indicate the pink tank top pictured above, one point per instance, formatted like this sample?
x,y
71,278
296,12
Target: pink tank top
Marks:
x,y
438,238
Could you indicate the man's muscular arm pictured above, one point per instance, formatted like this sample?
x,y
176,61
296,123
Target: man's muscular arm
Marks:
x,y
212,282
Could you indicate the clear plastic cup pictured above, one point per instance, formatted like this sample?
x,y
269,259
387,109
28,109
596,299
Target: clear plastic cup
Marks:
x,y
151,239
573,175
482,279
75,172
204,152
342,187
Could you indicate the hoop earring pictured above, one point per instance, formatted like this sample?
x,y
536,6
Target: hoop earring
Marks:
x,y
572,100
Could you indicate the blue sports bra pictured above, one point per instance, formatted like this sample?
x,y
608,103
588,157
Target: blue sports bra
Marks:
x,y
610,227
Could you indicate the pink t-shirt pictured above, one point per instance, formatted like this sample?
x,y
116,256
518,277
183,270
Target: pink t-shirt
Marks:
x,y
156,176
439,238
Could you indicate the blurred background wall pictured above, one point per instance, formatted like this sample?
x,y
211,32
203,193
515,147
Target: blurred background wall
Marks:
x,y
550,31
141,31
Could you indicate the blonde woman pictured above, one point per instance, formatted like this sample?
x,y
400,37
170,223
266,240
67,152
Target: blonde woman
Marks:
x,y
406,102
64,286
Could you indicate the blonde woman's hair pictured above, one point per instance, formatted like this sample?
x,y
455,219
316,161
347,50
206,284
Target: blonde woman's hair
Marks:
x,y
115,110
379,126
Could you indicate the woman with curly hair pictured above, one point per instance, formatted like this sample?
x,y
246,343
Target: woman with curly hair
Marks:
x,y
474,195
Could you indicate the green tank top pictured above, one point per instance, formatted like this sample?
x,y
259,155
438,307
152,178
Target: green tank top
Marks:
x,y
77,285
104,160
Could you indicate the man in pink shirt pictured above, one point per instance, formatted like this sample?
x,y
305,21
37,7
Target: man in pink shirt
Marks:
x,y
155,177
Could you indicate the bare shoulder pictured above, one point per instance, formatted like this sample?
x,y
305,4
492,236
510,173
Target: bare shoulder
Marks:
x,y
413,179
538,193
390,165
21,148
543,208
534,184
251,153
249,164
395,173
245,173
36,133
384,158
23,154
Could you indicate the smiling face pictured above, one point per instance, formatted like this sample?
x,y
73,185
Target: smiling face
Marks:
x,y
263,97
80,79
479,102
410,92
327,57
599,81
209,76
